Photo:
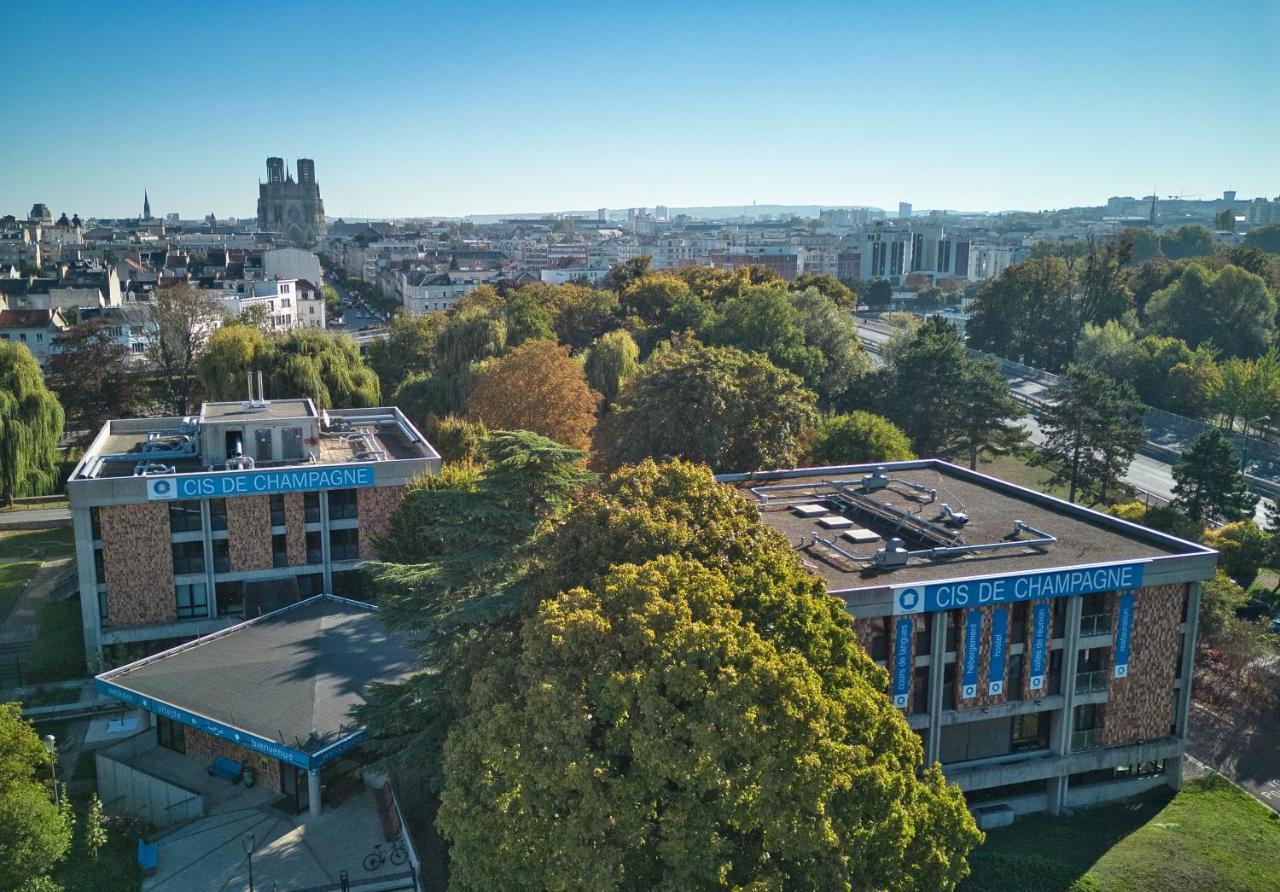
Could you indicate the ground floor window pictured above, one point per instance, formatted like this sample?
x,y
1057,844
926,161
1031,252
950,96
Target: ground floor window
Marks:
x,y
1030,732
294,786
230,598
192,600
171,735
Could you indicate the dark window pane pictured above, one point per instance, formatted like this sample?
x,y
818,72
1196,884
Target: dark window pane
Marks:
x,y
188,557
277,510
311,506
342,504
192,600
344,545
221,556
314,554
230,598
217,514
279,550
184,516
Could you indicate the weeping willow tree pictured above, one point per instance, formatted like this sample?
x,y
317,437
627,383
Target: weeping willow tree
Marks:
x,y
30,426
327,368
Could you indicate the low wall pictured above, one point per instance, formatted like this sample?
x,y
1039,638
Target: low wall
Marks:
x,y
125,789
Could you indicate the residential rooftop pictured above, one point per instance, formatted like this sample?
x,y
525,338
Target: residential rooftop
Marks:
x,y
951,522
290,677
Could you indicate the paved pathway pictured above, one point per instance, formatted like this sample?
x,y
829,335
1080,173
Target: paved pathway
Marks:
x,y
1246,751
35,518
23,621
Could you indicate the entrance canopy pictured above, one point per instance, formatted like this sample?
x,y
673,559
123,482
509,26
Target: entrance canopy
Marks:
x,y
283,684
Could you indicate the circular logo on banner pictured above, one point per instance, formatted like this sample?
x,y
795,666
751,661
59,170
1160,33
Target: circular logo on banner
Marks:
x,y
970,690
1037,682
908,599
1122,671
160,487
997,687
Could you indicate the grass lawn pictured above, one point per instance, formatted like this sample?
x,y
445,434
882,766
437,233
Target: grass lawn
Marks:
x,y
51,697
58,652
21,552
1210,837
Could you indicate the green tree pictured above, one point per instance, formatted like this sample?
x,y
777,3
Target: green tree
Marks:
x,y
829,329
31,421
729,409
34,834
610,363
1264,238
1220,600
1225,221
878,294
231,353
858,437
408,348
1208,483
1092,429
1029,314
182,320
626,692
92,375
527,319
1187,241
624,272
456,439
537,387
830,287
328,368
986,413
1231,308
95,829
1158,517
1243,548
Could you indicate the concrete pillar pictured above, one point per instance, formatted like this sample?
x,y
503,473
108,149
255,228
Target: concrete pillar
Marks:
x,y
82,525
313,792
937,668
1185,671
1060,733
1057,794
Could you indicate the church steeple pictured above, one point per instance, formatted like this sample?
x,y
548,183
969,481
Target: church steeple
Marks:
x,y
146,205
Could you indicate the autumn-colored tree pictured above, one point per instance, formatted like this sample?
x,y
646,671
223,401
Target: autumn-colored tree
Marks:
x,y
540,388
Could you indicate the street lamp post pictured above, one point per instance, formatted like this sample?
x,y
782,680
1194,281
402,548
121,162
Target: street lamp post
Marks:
x,y
51,747
1244,453
248,842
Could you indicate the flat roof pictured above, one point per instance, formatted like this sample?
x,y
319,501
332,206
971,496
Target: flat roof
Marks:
x,y
289,678
241,410
1084,537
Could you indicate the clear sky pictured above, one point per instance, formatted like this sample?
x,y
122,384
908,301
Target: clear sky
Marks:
x,y
446,108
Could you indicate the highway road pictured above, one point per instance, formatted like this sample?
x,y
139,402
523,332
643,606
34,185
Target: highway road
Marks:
x,y
1147,473
355,316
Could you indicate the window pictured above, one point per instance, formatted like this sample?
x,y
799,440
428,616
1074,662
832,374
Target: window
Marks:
x,y
920,689
352,584
314,553
1030,732
279,550
344,545
1013,685
217,514
221,556
99,567
1086,733
311,507
184,516
95,523
311,584
103,619
924,634
192,600
879,638
953,630
171,735
1059,617
230,598
188,557
277,510
342,504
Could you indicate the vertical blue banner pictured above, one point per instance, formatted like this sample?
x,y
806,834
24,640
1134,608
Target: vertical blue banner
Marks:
x,y
1040,645
999,640
902,632
1124,634
972,645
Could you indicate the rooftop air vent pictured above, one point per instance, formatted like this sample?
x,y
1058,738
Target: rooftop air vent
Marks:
x,y
951,517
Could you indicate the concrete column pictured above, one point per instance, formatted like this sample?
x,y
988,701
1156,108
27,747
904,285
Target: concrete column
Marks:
x,y
1191,631
324,541
313,792
1056,791
937,668
82,526
1060,734
206,529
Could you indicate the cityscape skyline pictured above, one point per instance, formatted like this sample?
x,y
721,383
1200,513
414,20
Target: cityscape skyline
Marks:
x,y
1009,108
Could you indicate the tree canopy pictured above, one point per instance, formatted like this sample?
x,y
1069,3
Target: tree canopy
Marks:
x,y
1208,484
1231,308
858,437
610,363
34,833
31,421
183,319
718,405
1092,429
537,387
1027,314
327,368
91,373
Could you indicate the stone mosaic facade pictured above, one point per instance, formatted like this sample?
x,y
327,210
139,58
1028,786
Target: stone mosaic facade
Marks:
x,y
374,507
1140,706
295,529
249,532
984,663
138,564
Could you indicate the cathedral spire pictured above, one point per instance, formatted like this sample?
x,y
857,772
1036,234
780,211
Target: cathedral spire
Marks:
x,y
146,205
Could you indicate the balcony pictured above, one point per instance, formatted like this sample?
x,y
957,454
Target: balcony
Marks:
x,y
1090,739
1095,624
1091,682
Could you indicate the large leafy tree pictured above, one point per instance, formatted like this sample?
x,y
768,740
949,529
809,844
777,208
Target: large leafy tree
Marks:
x,y
31,421
327,368
987,413
1208,483
764,320
183,319
718,405
34,833
858,437
1188,241
232,352
829,328
1092,428
683,648
408,348
1028,314
1232,308
537,387
610,363
1264,238
91,373
829,286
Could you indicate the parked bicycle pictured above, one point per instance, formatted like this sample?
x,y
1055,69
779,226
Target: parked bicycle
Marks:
x,y
378,857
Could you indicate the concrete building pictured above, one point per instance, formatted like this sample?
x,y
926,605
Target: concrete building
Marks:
x,y
185,526
37,330
1042,652
291,263
904,210
291,209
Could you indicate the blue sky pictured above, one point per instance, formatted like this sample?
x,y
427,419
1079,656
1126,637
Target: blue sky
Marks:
x,y
447,108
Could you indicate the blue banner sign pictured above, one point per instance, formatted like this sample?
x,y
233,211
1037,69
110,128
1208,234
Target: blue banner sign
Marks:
x,y
1040,645
972,645
999,641
994,590
263,482
903,629
1124,634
